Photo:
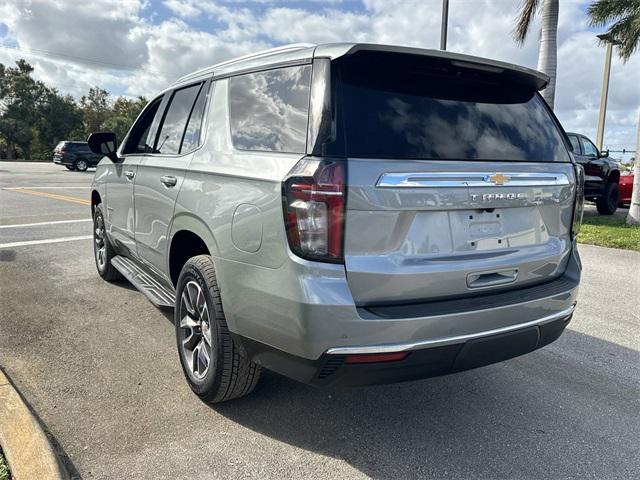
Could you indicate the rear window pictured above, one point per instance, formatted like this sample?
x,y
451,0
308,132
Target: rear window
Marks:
x,y
404,106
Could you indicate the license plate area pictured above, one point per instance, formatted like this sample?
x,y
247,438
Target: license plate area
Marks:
x,y
485,229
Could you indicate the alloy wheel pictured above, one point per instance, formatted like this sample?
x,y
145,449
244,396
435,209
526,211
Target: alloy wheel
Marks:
x,y
195,328
101,246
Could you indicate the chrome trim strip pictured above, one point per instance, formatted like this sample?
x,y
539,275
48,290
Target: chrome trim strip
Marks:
x,y
438,342
470,179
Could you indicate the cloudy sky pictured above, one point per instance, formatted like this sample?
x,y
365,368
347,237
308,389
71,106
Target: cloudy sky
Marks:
x,y
136,47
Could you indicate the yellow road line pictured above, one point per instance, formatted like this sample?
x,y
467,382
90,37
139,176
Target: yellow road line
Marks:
x,y
55,196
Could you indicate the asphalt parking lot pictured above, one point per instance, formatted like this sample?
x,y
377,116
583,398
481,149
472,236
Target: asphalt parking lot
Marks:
x,y
98,364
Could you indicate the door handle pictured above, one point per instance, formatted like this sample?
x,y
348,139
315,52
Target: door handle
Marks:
x,y
130,174
489,279
168,181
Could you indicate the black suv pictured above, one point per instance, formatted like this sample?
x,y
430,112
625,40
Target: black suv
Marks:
x,y
75,156
601,174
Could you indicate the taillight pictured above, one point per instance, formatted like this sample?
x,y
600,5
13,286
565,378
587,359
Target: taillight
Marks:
x,y
578,206
314,200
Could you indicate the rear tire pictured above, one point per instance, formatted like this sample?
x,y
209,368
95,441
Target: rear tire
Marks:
x,y
215,367
608,203
81,165
102,250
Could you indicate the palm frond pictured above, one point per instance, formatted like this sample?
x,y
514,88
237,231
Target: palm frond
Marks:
x,y
602,12
625,15
524,19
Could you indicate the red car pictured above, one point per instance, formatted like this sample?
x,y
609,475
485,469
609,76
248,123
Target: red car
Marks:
x,y
626,187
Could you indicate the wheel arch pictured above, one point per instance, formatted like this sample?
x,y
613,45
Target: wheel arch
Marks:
x,y
96,199
614,176
189,237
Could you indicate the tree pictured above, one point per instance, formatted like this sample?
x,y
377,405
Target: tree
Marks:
x,y
124,113
59,117
118,125
548,52
95,109
623,16
20,100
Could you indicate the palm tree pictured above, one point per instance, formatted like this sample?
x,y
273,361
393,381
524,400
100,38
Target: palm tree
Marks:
x,y
623,16
547,55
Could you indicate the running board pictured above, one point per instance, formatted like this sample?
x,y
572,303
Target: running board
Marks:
x,y
158,294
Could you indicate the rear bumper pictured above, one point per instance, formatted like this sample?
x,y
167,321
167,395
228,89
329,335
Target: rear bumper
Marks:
x,y
298,318
421,361
62,161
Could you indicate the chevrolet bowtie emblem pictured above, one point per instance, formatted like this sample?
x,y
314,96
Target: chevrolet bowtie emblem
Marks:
x,y
498,179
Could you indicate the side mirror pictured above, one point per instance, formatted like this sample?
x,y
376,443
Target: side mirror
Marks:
x,y
104,143
604,154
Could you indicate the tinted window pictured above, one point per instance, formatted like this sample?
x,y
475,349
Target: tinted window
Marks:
x,y
575,144
269,109
175,120
588,148
416,108
192,133
140,138
80,147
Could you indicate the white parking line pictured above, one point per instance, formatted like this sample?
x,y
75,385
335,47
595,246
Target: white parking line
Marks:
x,y
56,222
47,240
47,188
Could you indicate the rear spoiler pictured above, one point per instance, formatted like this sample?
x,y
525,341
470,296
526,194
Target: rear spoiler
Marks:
x,y
524,76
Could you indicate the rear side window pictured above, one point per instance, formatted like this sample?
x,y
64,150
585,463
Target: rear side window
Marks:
x,y
417,108
175,120
269,110
575,143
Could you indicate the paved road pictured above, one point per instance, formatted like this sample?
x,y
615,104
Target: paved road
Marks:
x,y
98,364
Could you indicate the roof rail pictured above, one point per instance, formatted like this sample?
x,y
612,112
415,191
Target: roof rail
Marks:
x,y
262,53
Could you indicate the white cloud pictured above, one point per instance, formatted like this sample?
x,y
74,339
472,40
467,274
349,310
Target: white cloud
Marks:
x,y
183,8
132,49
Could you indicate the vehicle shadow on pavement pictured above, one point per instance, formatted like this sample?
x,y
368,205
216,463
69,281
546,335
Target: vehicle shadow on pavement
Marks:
x,y
553,413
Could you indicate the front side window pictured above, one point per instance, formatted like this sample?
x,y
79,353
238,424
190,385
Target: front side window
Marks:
x,y
588,148
269,110
140,138
175,120
405,106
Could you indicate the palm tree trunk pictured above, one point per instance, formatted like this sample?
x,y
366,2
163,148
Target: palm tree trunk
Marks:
x,y
547,56
633,217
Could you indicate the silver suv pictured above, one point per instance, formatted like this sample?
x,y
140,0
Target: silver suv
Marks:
x,y
345,214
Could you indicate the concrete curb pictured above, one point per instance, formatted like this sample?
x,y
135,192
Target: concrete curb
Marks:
x,y
24,443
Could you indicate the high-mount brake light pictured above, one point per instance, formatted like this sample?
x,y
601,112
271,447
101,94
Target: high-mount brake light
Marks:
x,y
314,202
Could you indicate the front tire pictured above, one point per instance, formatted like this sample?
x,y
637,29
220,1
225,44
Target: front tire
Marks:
x,y
215,368
102,250
608,203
